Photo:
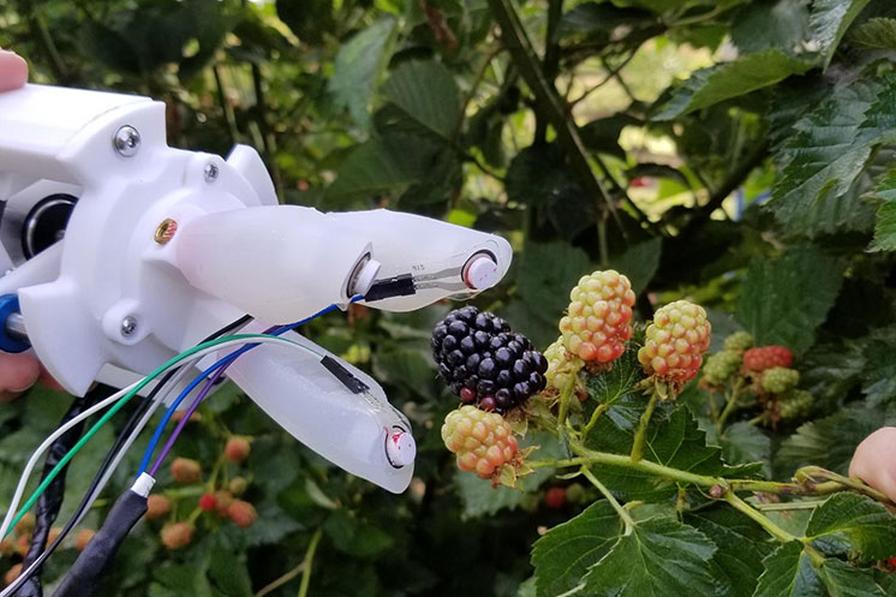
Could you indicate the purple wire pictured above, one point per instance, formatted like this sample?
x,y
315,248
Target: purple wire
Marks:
x,y
206,389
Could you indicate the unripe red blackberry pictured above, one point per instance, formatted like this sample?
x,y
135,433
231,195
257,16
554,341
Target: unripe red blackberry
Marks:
x,y
237,449
12,574
242,513
157,506
562,365
597,323
675,342
555,498
484,362
483,442
186,470
223,500
25,526
177,535
83,537
778,380
738,341
208,502
757,360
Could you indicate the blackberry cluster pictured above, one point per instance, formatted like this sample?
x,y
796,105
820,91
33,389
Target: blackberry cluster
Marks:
x,y
484,362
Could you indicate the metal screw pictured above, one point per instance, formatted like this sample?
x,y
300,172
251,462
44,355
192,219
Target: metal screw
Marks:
x,y
128,326
126,141
211,173
165,231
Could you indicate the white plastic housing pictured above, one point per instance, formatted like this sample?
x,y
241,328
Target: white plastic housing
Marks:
x,y
350,430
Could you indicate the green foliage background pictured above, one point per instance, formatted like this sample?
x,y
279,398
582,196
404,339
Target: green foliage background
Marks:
x,y
738,153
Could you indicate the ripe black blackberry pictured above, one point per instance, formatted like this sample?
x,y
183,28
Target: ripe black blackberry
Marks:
x,y
484,362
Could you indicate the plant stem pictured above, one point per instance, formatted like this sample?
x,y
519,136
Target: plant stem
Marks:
x,y
623,513
760,519
282,580
308,562
565,395
641,433
811,473
789,506
601,409
730,405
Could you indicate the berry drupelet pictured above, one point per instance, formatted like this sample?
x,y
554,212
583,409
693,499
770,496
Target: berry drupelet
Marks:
x,y
484,362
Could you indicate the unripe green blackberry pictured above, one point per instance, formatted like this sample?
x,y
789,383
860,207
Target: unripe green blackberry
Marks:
x,y
675,342
483,441
562,366
598,320
739,341
795,404
778,380
720,367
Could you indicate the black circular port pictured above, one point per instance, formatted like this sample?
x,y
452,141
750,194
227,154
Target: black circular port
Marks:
x,y
45,223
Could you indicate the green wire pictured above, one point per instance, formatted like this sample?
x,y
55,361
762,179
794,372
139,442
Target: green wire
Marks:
x,y
29,503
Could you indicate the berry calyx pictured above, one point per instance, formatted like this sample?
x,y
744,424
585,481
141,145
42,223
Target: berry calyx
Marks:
x,y
208,502
186,470
675,343
757,360
598,319
242,513
83,537
555,498
177,535
483,442
157,506
237,449
720,367
738,341
778,380
484,362
563,366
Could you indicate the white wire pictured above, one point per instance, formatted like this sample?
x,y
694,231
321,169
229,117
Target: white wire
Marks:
x,y
43,447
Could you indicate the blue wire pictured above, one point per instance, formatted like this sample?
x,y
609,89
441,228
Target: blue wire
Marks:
x,y
223,362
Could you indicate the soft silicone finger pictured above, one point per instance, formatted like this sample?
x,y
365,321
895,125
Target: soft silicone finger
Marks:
x,y
874,461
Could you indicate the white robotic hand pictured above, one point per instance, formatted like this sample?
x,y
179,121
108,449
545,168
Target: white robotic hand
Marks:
x,y
161,246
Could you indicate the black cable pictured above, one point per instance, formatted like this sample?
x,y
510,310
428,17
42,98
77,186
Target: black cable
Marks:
x,y
107,461
51,500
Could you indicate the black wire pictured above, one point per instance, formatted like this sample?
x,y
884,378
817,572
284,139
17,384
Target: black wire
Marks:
x,y
107,461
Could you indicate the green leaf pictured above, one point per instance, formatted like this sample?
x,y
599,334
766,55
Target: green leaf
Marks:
x,y
639,262
426,93
856,522
878,33
369,170
717,83
562,556
359,65
743,443
831,441
783,301
602,135
597,22
781,24
741,546
659,557
829,20
822,160
789,573
879,374
885,226
546,274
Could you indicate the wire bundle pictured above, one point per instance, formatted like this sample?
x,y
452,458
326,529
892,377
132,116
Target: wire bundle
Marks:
x,y
171,373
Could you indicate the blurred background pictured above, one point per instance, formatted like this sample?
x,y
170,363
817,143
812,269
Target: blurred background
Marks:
x,y
563,126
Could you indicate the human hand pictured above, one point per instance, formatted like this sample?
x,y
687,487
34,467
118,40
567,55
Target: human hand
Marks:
x,y
13,70
18,372
874,461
